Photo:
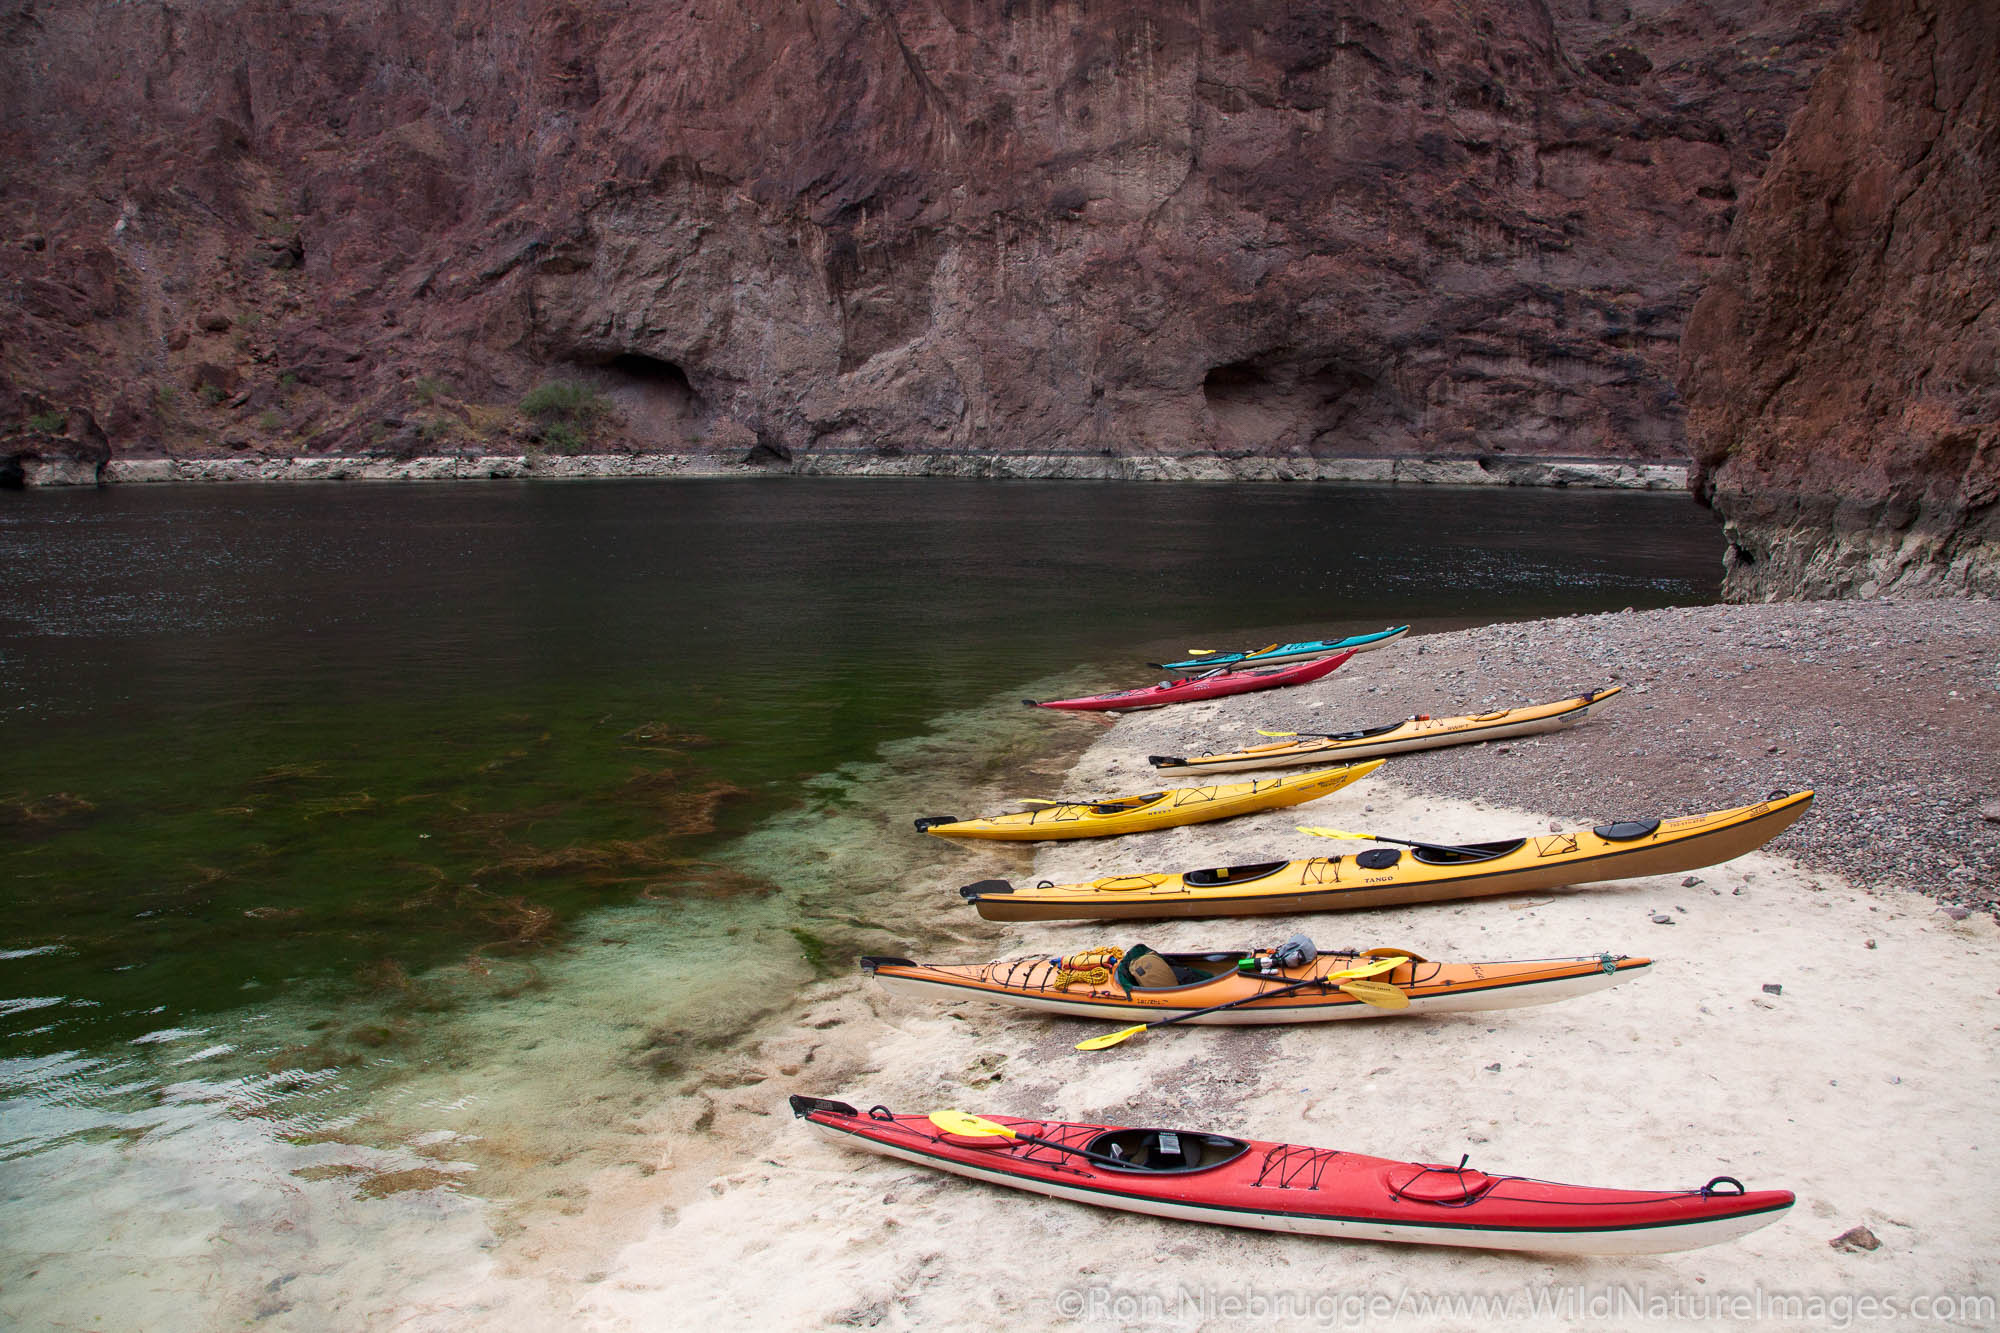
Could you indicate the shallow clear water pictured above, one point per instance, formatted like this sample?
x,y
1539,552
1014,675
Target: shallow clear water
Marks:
x,y
350,829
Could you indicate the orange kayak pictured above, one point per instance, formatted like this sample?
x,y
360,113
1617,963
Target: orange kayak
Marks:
x,y
1101,983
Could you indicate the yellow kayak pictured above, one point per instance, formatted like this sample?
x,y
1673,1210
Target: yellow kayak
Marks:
x,y
1389,877
1155,810
1418,733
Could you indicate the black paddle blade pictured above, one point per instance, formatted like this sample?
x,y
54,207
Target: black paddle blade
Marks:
x,y
805,1106
1163,760
933,821
974,892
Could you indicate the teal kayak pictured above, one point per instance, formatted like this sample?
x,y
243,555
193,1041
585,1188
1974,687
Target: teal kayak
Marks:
x,y
1205,660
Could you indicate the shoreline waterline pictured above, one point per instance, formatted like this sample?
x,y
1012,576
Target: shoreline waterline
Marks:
x,y
1495,470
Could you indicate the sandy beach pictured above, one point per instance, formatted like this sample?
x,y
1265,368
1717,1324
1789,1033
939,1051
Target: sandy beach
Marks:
x,y
1864,1082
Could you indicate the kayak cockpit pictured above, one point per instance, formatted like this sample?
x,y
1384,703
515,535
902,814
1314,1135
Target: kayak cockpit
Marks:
x,y
1218,875
1124,804
1163,1151
1472,851
1140,968
1365,732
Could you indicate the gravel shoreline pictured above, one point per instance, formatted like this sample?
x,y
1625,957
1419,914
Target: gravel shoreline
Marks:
x,y
1889,711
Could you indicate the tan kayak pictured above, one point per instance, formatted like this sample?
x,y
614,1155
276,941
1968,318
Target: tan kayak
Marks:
x,y
1389,877
1155,810
1417,733
1114,984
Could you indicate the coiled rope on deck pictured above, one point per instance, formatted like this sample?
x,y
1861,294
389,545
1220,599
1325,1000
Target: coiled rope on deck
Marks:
x,y
1092,967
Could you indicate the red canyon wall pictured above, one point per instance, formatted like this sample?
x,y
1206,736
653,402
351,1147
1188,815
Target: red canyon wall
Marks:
x,y
1466,227
1842,370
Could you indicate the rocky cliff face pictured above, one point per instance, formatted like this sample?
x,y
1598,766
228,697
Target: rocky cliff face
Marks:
x,y
1842,370
864,227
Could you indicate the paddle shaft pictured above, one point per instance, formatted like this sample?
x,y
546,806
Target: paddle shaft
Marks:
x,y
1470,853
1261,995
1475,853
1084,1153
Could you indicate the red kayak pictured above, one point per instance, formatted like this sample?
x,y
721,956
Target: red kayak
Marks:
x,y
1213,686
1313,1191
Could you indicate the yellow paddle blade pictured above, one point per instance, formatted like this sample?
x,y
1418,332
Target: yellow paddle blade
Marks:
x,y
1262,732
1321,832
1378,993
1110,1038
1203,652
958,1122
1373,967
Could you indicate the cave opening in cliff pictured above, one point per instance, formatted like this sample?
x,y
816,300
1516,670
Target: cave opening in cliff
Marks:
x,y
1234,382
657,378
655,396
1283,404
652,391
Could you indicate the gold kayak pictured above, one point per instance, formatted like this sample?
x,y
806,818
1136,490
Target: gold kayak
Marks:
x,y
1389,877
1155,810
1421,732
1113,984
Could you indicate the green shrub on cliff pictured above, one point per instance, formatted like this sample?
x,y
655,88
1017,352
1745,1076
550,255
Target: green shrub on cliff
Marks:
x,y
48,423
563,412
564,400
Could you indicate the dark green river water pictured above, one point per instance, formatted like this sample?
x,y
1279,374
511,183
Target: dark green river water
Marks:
x,y
260,737
304,789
